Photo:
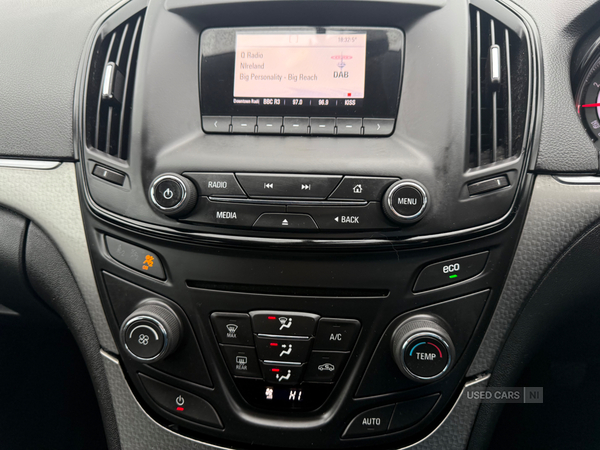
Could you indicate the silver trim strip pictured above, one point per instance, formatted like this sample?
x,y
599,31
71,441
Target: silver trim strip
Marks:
x,y
495,64
282,336
282,363
289,202
578,179
6,311
110,357
29,164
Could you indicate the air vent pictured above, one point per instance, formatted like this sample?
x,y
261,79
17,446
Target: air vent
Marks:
x,y
499,89
110,88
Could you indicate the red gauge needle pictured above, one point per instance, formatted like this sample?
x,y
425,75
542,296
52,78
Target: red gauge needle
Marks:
x,y
591,105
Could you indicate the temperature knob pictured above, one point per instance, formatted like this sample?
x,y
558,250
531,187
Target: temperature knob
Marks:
x,y
151,332
422,349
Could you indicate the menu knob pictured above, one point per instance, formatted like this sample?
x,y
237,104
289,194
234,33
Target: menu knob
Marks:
x,y
405,201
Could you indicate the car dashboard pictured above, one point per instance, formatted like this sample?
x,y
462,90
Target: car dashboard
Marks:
x,y
305,224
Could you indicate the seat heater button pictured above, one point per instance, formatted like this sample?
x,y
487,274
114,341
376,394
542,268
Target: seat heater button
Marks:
x,y
370,423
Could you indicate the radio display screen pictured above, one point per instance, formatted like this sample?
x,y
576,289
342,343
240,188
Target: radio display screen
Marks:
x,y
301,71
300,67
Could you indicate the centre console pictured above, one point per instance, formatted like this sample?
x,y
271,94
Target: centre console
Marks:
x,y
300,219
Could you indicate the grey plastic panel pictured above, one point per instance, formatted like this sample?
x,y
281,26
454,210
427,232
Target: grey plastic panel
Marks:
x,y
42,43
138,431
558,213
49,198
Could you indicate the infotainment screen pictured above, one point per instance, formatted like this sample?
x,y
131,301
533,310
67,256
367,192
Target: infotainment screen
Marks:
x,y
301,67
338,73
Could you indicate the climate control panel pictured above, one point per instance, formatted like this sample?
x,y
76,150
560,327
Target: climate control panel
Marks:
x,y
279,349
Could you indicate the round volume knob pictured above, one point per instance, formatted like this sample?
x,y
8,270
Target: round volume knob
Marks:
x,y
422,349
151,332
405,201
173,195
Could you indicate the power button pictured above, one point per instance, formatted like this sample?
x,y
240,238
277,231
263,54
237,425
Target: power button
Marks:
x,y
173,194
168,193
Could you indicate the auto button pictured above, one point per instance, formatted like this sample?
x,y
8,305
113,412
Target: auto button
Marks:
x,y
370,423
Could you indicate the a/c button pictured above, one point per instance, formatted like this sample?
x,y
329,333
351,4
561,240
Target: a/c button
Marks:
x,y
336,334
